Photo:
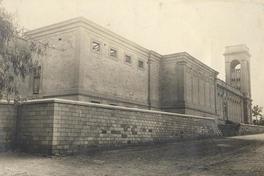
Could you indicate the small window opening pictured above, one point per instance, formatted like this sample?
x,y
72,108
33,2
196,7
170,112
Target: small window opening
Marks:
x,y
128,59
113,52
36,79
96,46
140,64
238,67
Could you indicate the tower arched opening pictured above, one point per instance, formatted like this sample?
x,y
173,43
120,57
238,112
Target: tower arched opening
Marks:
x,y
236,74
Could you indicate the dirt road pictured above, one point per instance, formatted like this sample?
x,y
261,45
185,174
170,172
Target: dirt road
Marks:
x,y
238,156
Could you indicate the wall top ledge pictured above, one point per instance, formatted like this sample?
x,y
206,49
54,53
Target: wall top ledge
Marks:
x,y
5,102
82,103
251,125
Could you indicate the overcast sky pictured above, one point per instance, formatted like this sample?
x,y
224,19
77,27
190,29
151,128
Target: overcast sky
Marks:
x,y
200,27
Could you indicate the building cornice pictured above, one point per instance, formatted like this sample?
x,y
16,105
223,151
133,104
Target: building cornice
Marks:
x,y
82,103
237,49
228,87
184,56
75,23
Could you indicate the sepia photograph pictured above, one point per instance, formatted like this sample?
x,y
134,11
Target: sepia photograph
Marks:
x,y
131,88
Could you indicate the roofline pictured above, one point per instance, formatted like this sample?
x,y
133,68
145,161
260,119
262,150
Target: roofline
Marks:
x,y
187,55
79,22
229,87
82,22
243,47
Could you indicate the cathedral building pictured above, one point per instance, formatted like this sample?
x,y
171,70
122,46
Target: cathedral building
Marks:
x,y
86,62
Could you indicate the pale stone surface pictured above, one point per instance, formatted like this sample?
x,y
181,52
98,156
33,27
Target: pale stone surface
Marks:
x,y
64,127
8,114
177,82
133,77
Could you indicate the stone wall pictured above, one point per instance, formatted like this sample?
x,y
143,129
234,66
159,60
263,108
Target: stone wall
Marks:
x,y
35,127
235,129
7,126
57,126
62,127
246,129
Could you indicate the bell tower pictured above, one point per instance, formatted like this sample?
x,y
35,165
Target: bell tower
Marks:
x,y
237,66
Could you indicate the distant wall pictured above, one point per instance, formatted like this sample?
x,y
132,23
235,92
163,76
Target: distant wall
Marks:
x,y
229,103
7,126
246,129
236,129
63,127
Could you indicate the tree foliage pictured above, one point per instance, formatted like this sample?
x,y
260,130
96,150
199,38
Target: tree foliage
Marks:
x,y
18,55
257,115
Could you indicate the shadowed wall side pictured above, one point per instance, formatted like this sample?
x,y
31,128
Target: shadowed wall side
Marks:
x,y
8,115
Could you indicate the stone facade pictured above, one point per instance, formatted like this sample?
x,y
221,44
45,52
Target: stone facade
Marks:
x,y
8,115
229,102
35,127
87,62
246,129
188,87
237,61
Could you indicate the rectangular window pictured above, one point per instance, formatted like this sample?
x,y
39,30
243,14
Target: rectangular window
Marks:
x,y
128,59
113,52
36,79
96,46
140,64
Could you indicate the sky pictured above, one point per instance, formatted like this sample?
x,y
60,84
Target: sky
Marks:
x,y
200,27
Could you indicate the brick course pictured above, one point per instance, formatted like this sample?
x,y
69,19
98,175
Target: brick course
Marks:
x,y
65,127
246,129
56,126
7,126
35,127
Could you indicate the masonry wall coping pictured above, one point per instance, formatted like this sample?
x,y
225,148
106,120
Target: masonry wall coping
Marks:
x,y
82,103
5,102
251,125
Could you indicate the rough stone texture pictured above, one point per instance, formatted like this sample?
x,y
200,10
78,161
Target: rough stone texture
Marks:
x,y
57,126
8,116
250,129
64,127
35,127
235,129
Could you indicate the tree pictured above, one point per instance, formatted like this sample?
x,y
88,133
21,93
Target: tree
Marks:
x,y
18,55
257,114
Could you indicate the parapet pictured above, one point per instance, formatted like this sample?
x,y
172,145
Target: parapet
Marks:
x,y
236,49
